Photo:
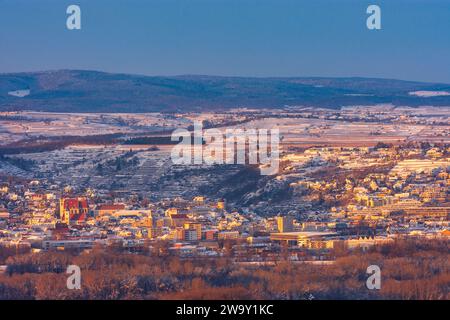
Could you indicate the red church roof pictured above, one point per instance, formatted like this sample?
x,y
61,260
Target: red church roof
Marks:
x,y
75,204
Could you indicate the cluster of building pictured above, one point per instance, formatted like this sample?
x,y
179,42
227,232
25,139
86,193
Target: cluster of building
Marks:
x,y
367,197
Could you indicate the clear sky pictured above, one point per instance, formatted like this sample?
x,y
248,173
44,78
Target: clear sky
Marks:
x,y
230,37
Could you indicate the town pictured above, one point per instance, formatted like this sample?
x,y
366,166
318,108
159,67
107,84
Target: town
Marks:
x,y
325,197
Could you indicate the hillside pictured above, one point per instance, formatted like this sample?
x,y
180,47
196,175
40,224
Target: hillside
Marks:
x,y
92,91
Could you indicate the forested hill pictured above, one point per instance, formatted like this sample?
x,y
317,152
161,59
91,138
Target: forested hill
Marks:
x,y
92,91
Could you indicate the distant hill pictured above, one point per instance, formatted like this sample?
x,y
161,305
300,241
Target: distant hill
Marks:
x,y
92,91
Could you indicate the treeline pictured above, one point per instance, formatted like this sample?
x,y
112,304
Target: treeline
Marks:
x,y
156,140
16,118
41,144
410,269
10,251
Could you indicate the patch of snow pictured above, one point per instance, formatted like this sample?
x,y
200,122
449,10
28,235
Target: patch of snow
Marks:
x,y
428,94
19,93
359,94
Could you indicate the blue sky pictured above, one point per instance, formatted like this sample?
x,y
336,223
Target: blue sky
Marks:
x,y
230,37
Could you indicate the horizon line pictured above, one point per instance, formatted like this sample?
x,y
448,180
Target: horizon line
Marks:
x,y
224,76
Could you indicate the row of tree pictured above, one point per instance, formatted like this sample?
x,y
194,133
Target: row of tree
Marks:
x,y
410,269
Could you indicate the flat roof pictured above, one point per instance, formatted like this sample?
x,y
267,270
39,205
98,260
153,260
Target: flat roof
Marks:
x,y
303,234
